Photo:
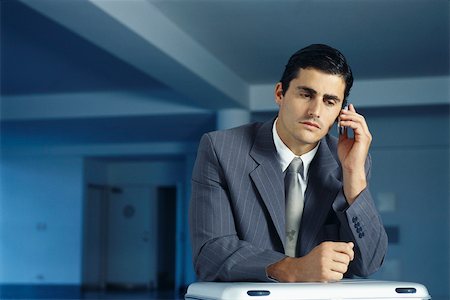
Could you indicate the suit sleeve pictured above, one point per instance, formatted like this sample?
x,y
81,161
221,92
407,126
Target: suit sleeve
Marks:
x,y
218,253
361,223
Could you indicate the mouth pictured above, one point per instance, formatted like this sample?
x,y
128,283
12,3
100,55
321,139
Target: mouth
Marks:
x,y
310,124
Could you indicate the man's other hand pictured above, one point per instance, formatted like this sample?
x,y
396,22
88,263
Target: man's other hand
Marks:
x,y
326,262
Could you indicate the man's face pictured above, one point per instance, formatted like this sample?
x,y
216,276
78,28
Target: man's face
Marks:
x,y
309,108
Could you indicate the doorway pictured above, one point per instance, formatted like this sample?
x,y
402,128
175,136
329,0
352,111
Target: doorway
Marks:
x,y
130,238
95,237
166,272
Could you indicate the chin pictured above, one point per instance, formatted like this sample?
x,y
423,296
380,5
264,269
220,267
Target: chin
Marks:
x,y
309,140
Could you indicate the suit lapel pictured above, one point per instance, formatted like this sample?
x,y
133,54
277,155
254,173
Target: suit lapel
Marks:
x,y
268,177
323,185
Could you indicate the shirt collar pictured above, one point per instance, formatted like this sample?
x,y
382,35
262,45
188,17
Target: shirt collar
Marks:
x,y
285,155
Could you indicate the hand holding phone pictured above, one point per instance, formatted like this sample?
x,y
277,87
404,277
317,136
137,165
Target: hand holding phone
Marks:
x,y
353,149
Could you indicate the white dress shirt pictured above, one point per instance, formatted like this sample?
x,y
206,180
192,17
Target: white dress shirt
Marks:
x,y
285,157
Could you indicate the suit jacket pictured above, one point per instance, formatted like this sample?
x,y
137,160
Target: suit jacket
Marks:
x,y
237,209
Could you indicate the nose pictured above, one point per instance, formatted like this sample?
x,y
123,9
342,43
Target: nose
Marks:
x,y
314,109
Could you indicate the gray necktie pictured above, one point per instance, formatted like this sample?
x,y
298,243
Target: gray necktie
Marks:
x,y
294,204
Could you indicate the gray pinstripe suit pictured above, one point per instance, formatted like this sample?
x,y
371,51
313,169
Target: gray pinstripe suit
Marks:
x,y
237,210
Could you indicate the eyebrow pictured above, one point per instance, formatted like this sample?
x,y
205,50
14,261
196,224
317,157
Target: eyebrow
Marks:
x,y
314,92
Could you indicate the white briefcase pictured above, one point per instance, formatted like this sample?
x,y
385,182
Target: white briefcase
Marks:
x,y
342,290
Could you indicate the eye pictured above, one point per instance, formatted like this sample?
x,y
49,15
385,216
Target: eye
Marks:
x,y
305,95
330,102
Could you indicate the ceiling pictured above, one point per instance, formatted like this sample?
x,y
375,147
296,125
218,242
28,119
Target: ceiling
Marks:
x,y
202,55
382,38
248,40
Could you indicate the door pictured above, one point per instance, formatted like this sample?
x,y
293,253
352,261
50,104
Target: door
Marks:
x,y
132,240
94,236
167,199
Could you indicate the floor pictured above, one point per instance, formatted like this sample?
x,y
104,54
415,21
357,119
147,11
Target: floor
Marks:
x,y
74,292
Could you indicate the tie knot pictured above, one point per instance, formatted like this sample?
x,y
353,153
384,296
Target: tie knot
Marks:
x,y
296,166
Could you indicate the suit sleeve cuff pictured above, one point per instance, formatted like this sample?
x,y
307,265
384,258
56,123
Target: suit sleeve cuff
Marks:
x,y
340,204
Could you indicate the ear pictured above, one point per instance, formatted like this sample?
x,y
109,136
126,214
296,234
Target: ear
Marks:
x,y
278,93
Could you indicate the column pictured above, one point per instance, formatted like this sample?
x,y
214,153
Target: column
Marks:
x,y
232,117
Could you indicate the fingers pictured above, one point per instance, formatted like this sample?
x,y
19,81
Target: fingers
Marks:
x,y
351,119
341,255
340,262
344,248
335,257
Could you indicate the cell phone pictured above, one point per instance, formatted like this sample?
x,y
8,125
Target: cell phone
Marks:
x,y
341,128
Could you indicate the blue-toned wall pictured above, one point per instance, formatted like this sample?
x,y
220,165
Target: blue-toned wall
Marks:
x,y
410,183
41,201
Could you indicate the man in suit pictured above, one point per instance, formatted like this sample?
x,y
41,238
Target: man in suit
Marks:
x,y
239,213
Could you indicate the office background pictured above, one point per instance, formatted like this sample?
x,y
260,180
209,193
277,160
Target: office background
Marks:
x,y
103,104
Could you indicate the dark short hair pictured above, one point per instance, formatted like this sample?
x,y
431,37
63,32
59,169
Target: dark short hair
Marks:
x,y
321,57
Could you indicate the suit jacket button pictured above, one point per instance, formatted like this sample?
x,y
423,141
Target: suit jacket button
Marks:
x,y
354,219
358,230
361,234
